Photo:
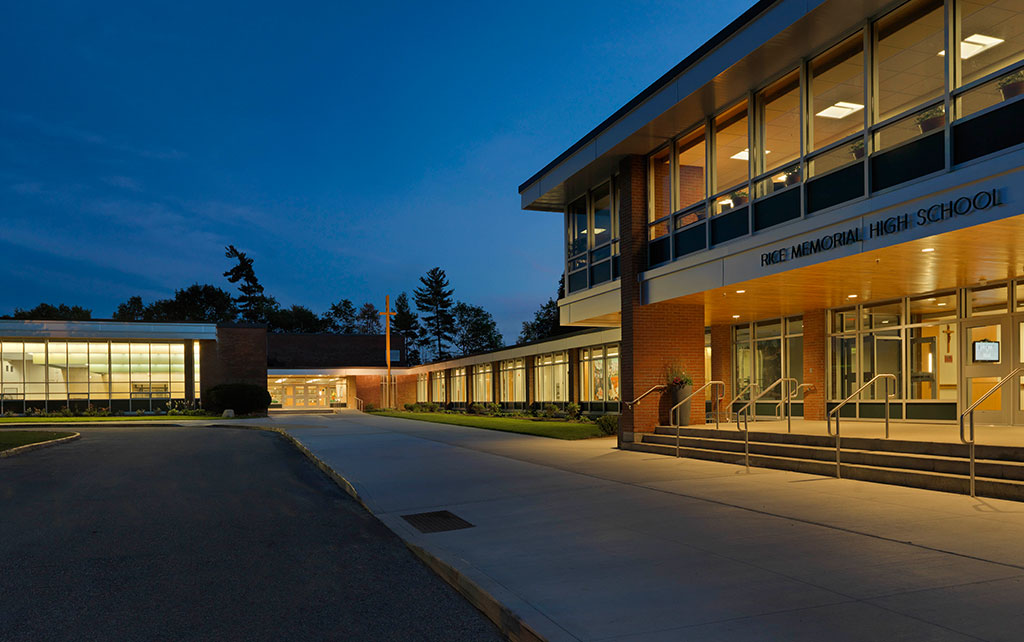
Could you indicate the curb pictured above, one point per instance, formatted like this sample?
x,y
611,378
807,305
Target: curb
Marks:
x,y
508,622
11,452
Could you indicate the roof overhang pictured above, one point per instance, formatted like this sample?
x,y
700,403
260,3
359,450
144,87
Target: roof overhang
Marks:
x,y
107,330
769,39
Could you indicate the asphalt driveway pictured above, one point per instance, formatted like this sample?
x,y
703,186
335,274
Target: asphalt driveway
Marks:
x,y
204,533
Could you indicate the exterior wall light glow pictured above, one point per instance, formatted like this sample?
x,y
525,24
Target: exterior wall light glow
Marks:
x,y
851,296
840,110
975,44
735,316
928,249
740,291
940,304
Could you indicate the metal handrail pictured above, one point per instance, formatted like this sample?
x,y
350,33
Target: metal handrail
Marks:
x,y
673,412
970,413
630,404
752,386
789,401
359,404
835,411
746,414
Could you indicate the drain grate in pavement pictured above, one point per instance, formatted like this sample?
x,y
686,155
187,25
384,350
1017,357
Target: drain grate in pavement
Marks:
x,y
437,521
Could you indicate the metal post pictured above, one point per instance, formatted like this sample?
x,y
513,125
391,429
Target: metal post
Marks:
x,y
789,408
839,472
746,441
972,453
887,407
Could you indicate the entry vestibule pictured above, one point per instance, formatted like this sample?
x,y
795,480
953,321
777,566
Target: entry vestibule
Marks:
x,y
303,392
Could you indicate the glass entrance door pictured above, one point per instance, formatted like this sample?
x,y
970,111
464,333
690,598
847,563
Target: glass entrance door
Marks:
x,y
988,356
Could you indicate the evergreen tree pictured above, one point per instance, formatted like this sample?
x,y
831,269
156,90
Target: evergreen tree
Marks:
x,y
368,320
475,330
253,305
407,325
195,304
341,317
434,301
546,322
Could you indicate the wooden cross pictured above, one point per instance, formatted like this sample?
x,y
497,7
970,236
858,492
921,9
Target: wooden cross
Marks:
x,y
387,314
949,337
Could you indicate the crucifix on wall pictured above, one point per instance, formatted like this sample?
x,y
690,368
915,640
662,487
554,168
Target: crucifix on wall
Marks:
x,y
949,338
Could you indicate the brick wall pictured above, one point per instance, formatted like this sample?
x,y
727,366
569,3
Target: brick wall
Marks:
x,y
329,350
656,336
691,185
815,358
239,355
367,388
406,390
721,357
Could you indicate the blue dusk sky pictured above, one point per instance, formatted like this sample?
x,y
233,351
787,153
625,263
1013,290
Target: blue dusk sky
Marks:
x,y
347,147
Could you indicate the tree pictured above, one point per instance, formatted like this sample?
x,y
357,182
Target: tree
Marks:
x,y
406,325
195,304
297,318
546,322
253,305
434,301
341,317
62,312
368,320
130,310
475,330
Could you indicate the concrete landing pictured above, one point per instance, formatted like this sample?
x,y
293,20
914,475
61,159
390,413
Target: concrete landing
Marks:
x,y
586,542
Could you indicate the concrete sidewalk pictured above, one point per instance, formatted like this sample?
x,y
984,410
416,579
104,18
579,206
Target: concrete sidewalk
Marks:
x,y
586,542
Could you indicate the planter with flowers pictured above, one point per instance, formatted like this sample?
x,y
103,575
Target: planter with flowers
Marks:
x,y
680,386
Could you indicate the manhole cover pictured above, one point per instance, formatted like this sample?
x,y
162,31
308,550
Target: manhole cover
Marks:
x,y
437,521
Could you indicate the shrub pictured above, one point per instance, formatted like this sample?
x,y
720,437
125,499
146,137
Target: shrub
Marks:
x,y
609,424
551,411
533,408
369,407
477,409
572,410
243,398
411,407
493,409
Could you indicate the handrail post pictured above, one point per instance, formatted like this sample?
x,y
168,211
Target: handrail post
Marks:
x,y
789,408
887,407
839,470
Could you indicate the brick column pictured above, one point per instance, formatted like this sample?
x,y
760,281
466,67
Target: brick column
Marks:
x,y
655,336
529,379
574,375
190,381
721,359
496,382
470,398
815,360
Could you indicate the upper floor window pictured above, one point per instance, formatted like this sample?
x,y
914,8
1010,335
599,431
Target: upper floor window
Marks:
x,y
836,93
911,70
691,155
592,239
732,153
991,37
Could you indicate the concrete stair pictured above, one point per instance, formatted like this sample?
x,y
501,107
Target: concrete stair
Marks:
x,y
930,465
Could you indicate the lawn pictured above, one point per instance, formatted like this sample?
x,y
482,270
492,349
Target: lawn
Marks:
x,y
146,418
553,429
14,438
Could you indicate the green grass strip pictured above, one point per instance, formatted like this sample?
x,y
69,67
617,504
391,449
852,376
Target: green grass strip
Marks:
x,y
14,438
553,429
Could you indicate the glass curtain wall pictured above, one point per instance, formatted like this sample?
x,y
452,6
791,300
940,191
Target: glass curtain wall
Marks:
x,y
850,113
915,339
599,378
551,372
438,387
458,383
513,383
762,352
51,374
592,225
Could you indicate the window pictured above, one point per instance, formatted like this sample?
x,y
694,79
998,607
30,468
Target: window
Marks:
x,y
732,156
458,386
991,37
513,383
482,383
691,155
438,392
661,184
592,239
779,123
762,352
552,377
908,42
422,386
836,93
599,376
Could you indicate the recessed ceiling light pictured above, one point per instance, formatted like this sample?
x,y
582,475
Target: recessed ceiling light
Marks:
x,y
740,291
928,249
735,316
932,299
940,304
840,110
975,44
745,154
851,296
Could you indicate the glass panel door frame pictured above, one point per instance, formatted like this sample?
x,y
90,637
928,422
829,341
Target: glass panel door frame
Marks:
x,y
992,372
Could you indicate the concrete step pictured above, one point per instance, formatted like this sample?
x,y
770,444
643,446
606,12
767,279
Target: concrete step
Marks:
x,y
941,449
999,479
